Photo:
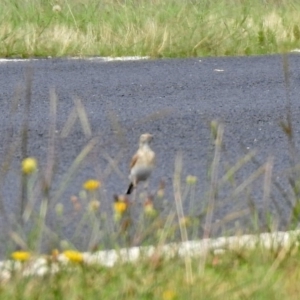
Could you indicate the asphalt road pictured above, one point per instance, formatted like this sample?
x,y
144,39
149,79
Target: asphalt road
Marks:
x,y
175,100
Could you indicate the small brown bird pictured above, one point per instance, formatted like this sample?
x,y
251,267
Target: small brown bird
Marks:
x,y
142,163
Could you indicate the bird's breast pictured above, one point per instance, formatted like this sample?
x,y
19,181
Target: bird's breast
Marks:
x,y
140,172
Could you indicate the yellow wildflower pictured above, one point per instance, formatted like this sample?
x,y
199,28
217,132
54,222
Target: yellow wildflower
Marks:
x,y
169,295
74,256
120,207
29,165
20,255
91,185
191,179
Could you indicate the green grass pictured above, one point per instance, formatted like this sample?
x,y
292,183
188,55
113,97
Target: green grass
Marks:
x,y
156,28
246,275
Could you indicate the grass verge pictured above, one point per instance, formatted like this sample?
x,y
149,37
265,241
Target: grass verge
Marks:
x,y
156,28
254,274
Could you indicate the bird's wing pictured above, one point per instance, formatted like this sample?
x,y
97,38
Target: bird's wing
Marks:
x,y
134,160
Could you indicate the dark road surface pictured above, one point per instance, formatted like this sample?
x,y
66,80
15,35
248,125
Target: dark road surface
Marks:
x,y
175,100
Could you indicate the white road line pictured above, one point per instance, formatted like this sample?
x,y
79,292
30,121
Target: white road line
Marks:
x,y
101,59
40,266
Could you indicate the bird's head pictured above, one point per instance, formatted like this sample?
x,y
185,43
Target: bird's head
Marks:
x,y
146,138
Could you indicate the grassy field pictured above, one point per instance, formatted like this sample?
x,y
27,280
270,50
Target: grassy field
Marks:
x,y
155,28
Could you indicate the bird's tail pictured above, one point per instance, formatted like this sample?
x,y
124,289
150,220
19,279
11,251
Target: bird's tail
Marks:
x,y
130,188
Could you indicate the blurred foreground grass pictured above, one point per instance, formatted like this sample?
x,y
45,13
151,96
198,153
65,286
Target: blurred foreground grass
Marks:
x,y
156,28
254,274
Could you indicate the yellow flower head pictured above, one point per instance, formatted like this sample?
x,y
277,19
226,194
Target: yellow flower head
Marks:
x,y
120,207
120,204
74,256
169,295
29,165
91,185
20,255
191,179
